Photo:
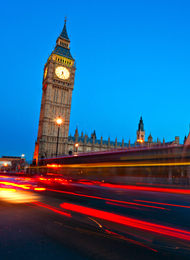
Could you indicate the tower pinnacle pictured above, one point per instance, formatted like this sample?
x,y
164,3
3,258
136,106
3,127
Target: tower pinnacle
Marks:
x,y
64,34
141,131
65,19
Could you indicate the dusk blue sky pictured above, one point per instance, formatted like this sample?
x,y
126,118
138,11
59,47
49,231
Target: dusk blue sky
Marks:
x,y
132,58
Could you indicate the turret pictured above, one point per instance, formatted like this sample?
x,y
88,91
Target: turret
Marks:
x,y
76,135
150,138
101,141
108,141
141,132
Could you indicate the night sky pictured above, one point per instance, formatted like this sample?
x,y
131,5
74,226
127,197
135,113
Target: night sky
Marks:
x,y
132,58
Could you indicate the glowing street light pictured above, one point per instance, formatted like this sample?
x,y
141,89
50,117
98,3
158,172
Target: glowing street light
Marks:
x,y
59,122
5,164
76,146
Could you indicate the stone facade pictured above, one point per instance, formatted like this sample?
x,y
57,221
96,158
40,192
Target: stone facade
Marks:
x,y
84,143
57,87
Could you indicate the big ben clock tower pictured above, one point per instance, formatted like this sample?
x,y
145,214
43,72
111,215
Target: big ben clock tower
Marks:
x,y
57,87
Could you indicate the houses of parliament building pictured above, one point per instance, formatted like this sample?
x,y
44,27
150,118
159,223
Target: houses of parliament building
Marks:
x,y
57,87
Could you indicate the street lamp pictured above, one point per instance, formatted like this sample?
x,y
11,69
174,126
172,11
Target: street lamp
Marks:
x,y
59,122
23,157
5,165
76,146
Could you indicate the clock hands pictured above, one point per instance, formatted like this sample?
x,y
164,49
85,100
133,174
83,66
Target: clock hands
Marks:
x,y
63,73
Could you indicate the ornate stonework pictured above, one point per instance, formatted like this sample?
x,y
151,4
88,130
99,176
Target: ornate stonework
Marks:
x,y
57,87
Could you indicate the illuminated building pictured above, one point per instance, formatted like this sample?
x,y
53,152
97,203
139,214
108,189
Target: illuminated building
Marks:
x,y
11,162
57,87
91,144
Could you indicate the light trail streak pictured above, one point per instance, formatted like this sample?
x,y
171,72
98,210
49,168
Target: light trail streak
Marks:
x,y
129,187
106,199
56,210
22,186
7,189
113,164
39,189
25,187
85,183
153,189
96,222
135,204
62,181
143,225
16,196
130,240
161,203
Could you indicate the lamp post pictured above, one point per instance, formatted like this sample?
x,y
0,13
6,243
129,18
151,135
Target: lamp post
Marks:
x,y
59,122
5,166
76,146
23,157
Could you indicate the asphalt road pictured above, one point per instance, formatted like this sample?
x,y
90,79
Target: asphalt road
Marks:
x,y
84,221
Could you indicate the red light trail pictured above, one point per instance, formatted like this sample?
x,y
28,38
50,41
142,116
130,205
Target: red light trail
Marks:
x,y
135,204
100,198
56,210
153,189
160,229
166,204
130,240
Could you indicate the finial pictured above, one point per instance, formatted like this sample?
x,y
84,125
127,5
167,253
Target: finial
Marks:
x,y
65,18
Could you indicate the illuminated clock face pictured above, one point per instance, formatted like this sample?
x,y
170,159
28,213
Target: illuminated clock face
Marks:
x,y
62,72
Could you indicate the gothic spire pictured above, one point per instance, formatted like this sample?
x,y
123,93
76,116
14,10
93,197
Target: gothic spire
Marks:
x,y
64,34
141,125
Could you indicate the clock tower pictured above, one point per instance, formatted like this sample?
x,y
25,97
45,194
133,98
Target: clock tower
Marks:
x,y
57,87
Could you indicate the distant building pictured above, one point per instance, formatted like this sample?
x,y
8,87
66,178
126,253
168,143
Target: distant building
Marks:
x,y
11,162
84,143
141,132
90,144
